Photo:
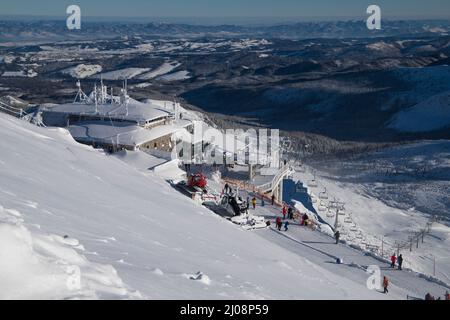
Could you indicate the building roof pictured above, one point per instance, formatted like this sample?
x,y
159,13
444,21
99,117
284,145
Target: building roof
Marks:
x,y
134,111
118,132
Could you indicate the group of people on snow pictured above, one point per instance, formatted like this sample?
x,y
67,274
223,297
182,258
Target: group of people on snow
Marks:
x,y
429,296
398,259
288,214
279,223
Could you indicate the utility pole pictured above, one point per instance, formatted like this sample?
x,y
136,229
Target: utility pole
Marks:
x,y
336,220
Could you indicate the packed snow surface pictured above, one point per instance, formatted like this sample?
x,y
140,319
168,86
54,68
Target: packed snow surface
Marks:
x,y
157,240
431,114
390,196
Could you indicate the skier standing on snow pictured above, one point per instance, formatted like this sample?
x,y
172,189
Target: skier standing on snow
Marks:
x,y
290,213
385,284
305,220
337,234
400,262
393,259
254,203
428,296
278,223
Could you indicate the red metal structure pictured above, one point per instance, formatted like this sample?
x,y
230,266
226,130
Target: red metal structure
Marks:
x,y
197,180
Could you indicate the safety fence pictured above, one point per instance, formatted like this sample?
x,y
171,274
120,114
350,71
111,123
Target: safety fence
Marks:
x,y
17,112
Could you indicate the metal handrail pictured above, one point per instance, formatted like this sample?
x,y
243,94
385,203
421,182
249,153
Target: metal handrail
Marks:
x,y
276,179
11,109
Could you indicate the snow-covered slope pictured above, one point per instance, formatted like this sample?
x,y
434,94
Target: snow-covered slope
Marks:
x,y
127,73
160,243
161,70
431,114
37,265
390,195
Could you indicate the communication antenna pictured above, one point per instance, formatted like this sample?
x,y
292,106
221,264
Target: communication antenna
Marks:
x,y
80,97
95,98
103,91
124,99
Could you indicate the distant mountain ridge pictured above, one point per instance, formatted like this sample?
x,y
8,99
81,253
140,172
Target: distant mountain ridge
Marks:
x,y
14,30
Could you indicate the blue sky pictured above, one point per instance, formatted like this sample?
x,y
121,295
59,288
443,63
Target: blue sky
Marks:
x,y
229,8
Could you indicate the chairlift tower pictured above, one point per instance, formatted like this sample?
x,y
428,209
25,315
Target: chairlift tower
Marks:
x,y
338,205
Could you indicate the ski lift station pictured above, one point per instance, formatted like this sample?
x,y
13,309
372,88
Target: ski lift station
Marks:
x,y
120,122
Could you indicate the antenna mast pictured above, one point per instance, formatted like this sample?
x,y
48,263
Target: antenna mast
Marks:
x,y
80,97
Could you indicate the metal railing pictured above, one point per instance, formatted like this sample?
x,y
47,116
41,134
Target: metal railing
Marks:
x,y
18,112
269,186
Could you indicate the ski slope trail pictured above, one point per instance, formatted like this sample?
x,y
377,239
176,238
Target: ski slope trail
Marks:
x,y
321,249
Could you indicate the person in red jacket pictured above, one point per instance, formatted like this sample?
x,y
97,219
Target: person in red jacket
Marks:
x,y
393,259
278,223
385,284
284,211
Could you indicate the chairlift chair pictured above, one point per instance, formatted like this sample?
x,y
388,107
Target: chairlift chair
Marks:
x,y
299,187
322,206
330,214
313,199
348,219
312,183
323,195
